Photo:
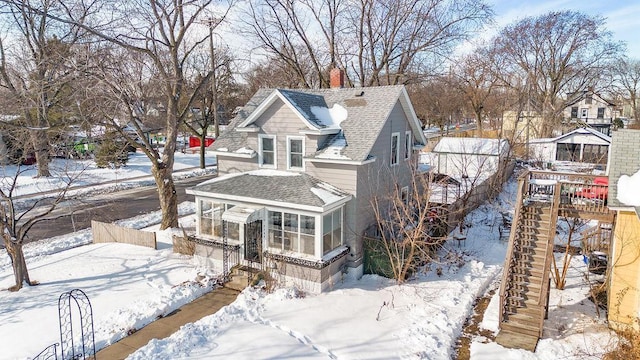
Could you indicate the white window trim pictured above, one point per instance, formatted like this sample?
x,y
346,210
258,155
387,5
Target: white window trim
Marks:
x,y
289,138
395,135
408,144
584,113
275,151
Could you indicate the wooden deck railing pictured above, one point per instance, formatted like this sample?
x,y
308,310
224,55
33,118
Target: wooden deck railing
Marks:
x,y
578,192
597,238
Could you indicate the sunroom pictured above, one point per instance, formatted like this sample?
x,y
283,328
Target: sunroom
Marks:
x,y
288,223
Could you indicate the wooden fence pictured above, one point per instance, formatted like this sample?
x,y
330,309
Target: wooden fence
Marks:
x,y
111,233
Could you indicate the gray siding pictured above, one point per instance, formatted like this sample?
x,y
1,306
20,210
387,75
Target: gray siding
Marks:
x,y
280,120
230,165
380,177
341,176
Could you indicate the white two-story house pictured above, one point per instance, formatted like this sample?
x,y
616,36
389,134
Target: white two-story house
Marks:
x,y
590,109
297,169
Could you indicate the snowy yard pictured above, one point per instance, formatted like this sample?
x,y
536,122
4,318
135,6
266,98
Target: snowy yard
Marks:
x,y
370,318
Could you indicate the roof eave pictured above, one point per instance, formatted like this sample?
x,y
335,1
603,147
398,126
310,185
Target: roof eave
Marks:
x,y
341,161
288,205
323,131
248,129
232,154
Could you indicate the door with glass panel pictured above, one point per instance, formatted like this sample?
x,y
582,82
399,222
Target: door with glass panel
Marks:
x,y
253,241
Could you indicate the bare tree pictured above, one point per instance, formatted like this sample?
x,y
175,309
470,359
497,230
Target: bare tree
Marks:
x,y
215,99
436,102
163,37
378,42
554,54
474,76
560,275
627,81
408,229
36,69
16,221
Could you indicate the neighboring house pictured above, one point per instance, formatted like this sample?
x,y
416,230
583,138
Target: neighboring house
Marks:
x,y
624,258
521,126
588,107
297,172
585,145
469,158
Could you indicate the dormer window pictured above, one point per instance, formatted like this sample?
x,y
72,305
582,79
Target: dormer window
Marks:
x,y
395,148
267,144
295,153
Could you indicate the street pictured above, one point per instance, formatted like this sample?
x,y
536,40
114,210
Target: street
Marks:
x,y
77,214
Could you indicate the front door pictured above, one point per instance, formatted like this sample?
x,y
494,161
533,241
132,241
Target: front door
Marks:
x,y
253,241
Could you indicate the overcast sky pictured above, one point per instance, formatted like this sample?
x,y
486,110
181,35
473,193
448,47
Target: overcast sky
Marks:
x,y
622,16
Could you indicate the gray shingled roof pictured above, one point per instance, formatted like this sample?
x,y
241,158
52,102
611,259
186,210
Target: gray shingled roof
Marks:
x,y
303,102
368,109
625,160
301,189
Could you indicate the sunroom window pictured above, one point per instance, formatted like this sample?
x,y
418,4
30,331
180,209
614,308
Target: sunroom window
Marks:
x,y
292,232
331,231
211,220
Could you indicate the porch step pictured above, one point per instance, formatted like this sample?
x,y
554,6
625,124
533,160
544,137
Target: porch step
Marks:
x,y
521,328
516,340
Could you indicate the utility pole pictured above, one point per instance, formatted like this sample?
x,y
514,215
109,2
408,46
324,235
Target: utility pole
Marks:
x,y
214,85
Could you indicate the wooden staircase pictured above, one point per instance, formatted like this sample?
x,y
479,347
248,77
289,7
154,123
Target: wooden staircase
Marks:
x,y
524,292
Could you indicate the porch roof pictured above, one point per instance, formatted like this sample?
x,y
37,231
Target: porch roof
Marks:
x,y
271,187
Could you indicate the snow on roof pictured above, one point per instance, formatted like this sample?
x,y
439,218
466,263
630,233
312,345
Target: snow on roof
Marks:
x,y
245,150
464,145
327,193
330,118
334,149
627,189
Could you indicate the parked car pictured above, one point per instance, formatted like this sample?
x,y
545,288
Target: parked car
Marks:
x,y
599,190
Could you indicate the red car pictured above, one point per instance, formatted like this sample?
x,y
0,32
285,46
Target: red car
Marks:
x,y
598,191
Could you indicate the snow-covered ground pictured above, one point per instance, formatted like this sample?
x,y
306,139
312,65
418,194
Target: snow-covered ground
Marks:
x,y
370,318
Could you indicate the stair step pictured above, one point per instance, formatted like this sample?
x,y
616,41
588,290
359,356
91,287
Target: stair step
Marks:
x,y
520,328
529,257
521,298
533,311
531,272
525,319
531,287
513,340
521,279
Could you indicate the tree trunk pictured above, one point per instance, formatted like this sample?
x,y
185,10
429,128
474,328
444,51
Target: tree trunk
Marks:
x,y
480,131
202,149
168,197
41,146
20,271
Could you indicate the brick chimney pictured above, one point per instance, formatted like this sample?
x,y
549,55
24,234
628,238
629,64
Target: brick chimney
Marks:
x,y
336,78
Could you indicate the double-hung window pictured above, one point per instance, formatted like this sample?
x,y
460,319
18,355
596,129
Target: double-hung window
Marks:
x,y
267,144
295,153
395,148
